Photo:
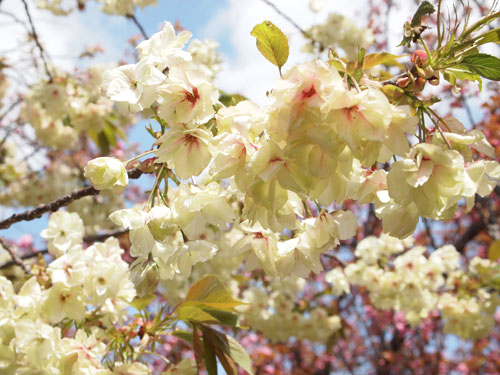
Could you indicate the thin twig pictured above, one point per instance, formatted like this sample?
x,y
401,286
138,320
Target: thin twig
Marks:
x,y
87,239
24,257
15,258
139,26
294,24
429,233
58,203
103,236
37,41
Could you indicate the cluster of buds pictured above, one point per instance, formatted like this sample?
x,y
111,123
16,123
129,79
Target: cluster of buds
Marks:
x,y
420,74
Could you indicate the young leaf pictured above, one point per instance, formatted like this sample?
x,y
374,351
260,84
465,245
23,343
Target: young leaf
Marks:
x,y
194,313
212,292
141,302
239,355
228,350
494,251
272,43
198,347
485,65
463,73
424,8
209,358
492,36
374,59
186,336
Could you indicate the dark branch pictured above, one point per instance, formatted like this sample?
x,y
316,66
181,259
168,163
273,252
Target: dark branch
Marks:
x,y
469,235
24,257
429,233
37,41
15,258
139,26
58,203
88,239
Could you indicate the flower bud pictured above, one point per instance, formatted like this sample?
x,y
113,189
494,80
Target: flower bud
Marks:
x,y
146,279
107,173
419,58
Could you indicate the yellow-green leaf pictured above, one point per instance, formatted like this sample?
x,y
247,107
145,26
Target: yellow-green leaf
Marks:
x,y
140,303
272,43
239,355
494,251
211,292
374,59
191,312
492,36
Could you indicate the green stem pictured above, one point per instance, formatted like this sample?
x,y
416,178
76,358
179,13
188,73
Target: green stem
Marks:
x,y
139,156
440,36
306,209
479,24
439,119
151,198
429,57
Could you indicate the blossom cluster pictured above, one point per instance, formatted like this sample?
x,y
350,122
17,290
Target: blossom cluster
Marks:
x,y
318,140
61,109
416,284
340,32
274,313
80,285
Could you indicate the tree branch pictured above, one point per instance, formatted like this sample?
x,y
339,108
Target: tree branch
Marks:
x,y
139,26
429,232
58,203
472,232
15,258
37,41
88,239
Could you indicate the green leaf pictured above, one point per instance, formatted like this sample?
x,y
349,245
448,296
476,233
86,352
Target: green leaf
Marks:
x,y
230,99
224,317
194,313
186,336
361,56
211,292
374,59
103,143
109,134
199,352
272,43
226,346
239,355
492,36
140,303
208,301
209,358
463,73
494,251
485,65
424,8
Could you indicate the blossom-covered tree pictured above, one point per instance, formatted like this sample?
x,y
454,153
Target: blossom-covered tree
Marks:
x,y
347,225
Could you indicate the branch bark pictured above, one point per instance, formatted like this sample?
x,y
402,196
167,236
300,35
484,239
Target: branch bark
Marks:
x,y
15,258
89,239
37,41
58,203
